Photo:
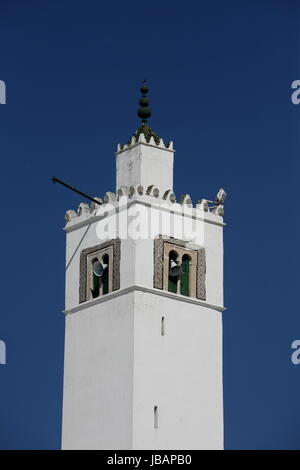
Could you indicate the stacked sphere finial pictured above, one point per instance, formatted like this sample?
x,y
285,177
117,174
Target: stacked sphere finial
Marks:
x,y
144,111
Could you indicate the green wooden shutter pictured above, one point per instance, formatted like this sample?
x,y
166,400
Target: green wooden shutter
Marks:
x,y
172,287
185,276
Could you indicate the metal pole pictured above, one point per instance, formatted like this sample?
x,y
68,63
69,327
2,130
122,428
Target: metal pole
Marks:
x,y
56,180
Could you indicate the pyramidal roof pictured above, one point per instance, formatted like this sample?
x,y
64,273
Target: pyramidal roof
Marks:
x,y
148,133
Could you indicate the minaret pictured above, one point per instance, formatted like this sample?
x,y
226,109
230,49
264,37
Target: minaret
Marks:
x,y
144,303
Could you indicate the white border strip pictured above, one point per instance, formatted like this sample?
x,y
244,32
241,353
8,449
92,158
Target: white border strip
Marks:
x,y
148,290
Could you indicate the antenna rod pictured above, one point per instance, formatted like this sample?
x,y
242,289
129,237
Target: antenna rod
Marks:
x,y
56,180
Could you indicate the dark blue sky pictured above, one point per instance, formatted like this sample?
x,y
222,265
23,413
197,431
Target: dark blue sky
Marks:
x,y
220,74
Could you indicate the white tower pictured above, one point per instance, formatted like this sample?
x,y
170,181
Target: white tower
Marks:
x,y
144,302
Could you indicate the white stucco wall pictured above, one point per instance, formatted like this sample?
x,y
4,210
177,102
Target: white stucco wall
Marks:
x,y
98,376
117,364
145,164
137,255
180,372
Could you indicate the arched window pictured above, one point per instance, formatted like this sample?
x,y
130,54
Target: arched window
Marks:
x,y
185,275
173,280
105,263
96,280
99,270
100,273
185,261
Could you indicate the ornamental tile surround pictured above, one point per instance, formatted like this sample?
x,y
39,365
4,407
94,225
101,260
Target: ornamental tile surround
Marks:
x,y
159,274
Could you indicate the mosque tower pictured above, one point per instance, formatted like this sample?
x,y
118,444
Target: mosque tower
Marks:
x,y
143,313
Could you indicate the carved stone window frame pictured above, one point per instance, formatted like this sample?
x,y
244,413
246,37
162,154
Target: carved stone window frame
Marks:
x,y
159,271
181,251
89,264
112,246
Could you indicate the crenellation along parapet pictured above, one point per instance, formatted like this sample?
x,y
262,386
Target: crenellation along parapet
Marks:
x,y
152,194
145,135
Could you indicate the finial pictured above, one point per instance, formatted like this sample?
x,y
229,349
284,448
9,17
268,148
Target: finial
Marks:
x,y
220,196
144,111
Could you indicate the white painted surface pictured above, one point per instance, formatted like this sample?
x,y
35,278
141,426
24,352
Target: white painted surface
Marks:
x,y
137,255
118,366
145,164
98,377
180,372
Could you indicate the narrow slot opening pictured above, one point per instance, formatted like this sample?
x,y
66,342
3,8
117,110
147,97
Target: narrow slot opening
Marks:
x,y
163,326
155,417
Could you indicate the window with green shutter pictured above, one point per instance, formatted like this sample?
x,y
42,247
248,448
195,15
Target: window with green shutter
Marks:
x,y
185,276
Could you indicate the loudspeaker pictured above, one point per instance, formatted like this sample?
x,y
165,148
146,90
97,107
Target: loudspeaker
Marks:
x,y
175,269
98,268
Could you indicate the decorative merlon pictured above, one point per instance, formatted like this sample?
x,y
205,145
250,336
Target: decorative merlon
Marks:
x,y
219,210
83,208
109,197
139,193
202,205
145,135
69,215
123,191
152,190
136,189
169,196
94,205
186,199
